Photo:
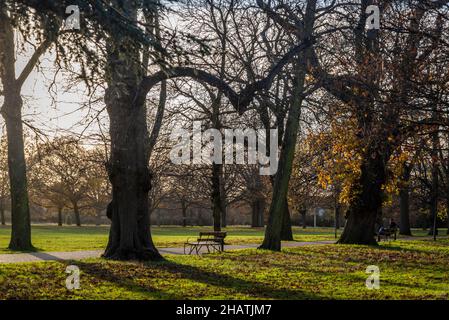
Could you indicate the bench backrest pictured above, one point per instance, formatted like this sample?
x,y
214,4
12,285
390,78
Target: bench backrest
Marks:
x,y
217,236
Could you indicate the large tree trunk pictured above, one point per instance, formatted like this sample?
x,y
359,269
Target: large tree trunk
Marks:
x,y
265,118
404,202
276,218
12,113
76,212
129,236
286,231
272,239
20,212
367,203
257,210
366,193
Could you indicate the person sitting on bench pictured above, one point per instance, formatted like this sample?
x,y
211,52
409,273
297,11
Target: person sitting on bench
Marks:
x,y
387,232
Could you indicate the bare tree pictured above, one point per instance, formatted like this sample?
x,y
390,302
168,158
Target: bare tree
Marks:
x,y
12,114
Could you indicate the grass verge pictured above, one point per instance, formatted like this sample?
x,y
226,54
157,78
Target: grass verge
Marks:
x,y
408,270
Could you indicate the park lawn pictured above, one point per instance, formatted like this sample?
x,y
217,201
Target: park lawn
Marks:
x,y
408,270
72,238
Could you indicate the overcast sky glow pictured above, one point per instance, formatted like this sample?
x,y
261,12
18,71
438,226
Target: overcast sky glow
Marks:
x,y
56,110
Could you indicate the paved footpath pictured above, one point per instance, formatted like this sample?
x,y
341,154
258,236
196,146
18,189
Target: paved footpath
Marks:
x,y
78,255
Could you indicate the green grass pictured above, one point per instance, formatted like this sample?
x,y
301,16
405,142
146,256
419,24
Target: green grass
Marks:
x,y
72,238
415,269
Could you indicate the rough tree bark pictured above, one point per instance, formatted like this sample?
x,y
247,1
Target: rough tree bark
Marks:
x,y
362,212
20,212
364,209
367,193
128,170
272,239
12,114
286,230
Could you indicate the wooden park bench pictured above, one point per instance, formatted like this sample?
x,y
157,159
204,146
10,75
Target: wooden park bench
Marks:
x,y
386,233
212,241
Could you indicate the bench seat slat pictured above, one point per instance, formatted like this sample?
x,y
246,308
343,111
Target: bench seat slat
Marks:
x,y
208,239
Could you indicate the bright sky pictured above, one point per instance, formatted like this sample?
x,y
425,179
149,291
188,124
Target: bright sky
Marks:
x,y
55,110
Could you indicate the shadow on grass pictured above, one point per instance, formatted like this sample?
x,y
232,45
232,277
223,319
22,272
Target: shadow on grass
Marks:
x,y
43,256
398,247
178,271
397,275
251,288
97,271
427,286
